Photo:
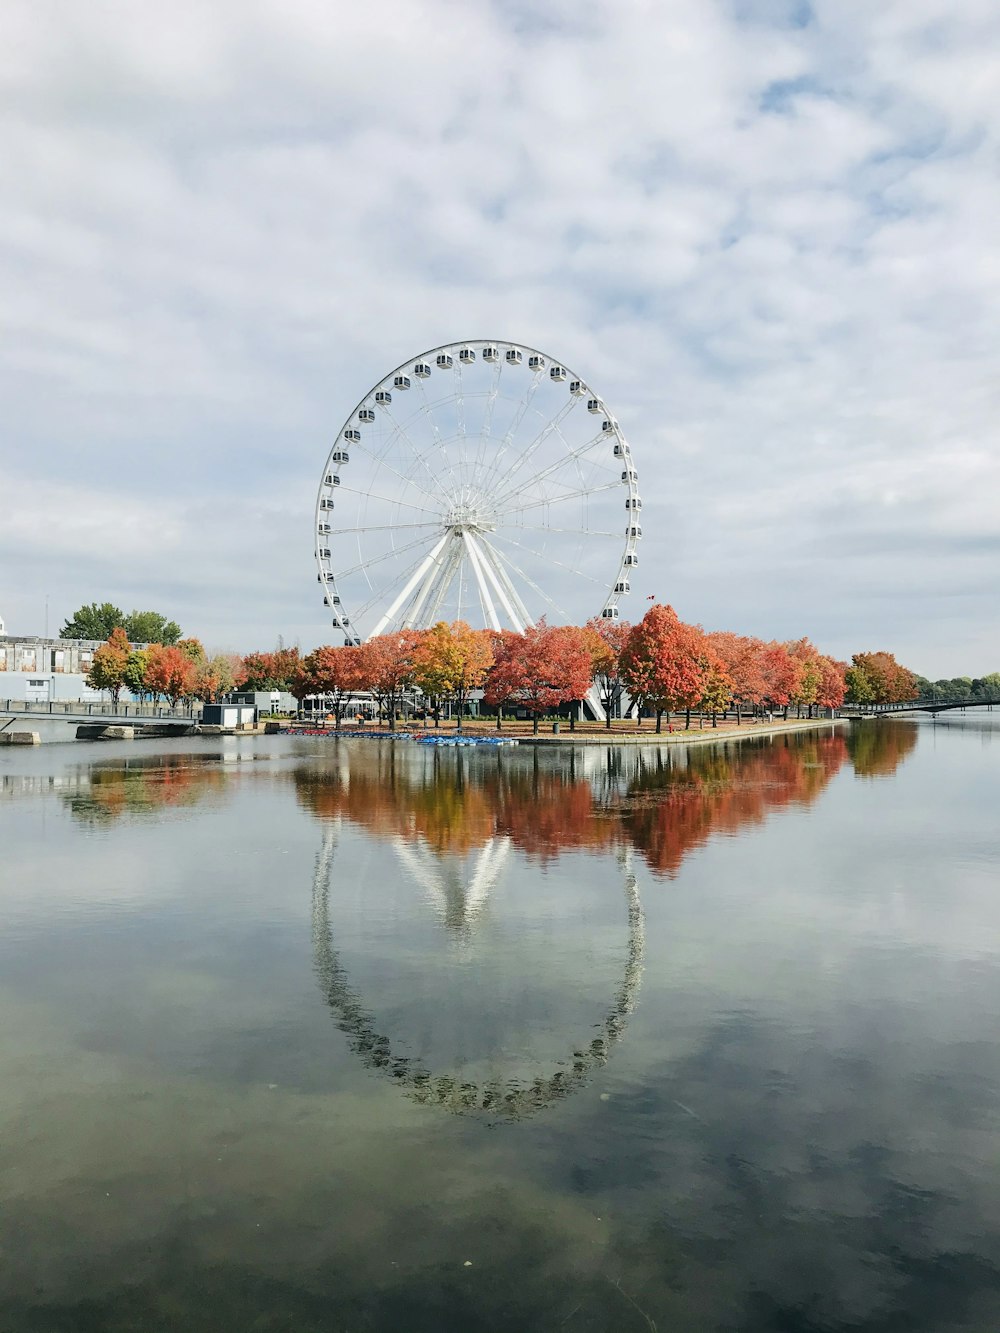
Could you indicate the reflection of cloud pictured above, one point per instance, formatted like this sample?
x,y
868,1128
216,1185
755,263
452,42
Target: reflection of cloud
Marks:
x,y
509,1097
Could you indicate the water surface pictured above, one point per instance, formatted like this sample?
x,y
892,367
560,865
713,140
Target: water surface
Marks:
x,y
315,1035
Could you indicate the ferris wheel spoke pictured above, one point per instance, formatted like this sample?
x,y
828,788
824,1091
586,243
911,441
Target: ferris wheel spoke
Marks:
x,y
551,427
570,459
486,432
385,499
400,432
429,414
562,532
560,499
548,559
504,558
379,460
519,414
380,559
383,527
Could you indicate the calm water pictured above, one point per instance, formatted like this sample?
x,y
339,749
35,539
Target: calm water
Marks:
x,y
303,1035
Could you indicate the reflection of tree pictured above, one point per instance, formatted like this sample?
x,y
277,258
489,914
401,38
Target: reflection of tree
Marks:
x,y
673,806
877,747
663,803
143,785
511,1098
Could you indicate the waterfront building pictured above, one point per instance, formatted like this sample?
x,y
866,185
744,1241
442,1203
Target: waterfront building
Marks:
x,y
42,670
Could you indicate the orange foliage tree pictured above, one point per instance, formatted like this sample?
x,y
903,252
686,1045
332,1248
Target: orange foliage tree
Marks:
x,y
169,671
214,677
607,640
887,680
449,661
107,669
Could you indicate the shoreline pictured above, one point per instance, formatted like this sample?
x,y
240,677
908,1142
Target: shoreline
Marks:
x,y
704,736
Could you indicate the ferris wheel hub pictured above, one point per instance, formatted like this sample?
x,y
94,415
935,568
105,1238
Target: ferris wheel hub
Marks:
x,y
471,517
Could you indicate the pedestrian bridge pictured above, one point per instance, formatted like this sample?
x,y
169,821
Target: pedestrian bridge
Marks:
x,y
921,706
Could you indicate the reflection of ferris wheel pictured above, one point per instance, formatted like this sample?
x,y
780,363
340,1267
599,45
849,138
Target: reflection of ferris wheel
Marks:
x,y
480,481
503,1094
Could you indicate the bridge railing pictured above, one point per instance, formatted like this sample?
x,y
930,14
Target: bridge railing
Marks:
x,y
915,705
65,708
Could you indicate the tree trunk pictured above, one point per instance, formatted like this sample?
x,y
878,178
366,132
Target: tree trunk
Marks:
x,y
534,724
784,713
687,719
572,719
715,719
499,717
659,720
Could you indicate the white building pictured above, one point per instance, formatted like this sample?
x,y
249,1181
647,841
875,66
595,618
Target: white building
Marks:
x,y
41,670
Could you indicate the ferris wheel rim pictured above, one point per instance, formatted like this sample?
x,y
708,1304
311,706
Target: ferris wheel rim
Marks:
x,y
493,571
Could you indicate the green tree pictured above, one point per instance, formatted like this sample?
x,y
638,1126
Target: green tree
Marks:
x,y
859,688
93,622
136,666
151,627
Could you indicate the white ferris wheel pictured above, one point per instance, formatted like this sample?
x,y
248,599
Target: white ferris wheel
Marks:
x,y
480,481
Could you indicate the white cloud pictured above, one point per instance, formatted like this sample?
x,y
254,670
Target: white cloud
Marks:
x,y
766,233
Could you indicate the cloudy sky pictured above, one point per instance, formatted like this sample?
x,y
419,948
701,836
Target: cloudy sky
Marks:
x,y
765,230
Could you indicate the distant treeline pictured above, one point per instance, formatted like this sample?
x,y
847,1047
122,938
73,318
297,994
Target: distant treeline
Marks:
x,y
961,687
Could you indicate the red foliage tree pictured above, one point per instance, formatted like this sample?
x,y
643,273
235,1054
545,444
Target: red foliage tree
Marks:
x,y
269,671
782,674
544,667
662,662
741,656
335,673
385,667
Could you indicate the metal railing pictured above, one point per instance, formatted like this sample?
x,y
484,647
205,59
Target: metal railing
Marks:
x,y
64,708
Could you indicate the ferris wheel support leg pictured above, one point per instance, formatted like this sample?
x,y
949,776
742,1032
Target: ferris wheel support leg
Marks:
x,y
484,589
498,588
593,698
497,565
431,581
411,583
450,568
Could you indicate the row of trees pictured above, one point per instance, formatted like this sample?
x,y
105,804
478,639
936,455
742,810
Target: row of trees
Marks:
x,y
662,665
960,687
172,671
